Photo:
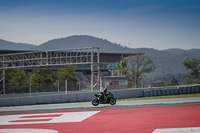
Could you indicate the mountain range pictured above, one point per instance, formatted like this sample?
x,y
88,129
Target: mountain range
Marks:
x,y
81,42
7,45
167,62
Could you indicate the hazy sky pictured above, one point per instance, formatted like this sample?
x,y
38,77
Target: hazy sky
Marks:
x,y
158,24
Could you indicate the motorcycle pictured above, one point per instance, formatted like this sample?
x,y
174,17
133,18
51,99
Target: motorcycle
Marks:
x,y
103,98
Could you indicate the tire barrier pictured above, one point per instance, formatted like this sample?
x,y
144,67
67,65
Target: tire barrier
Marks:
x,y
171,90
146,93
159,92
197,89
180,90
163,92
155,92
188,90
184,90
175,91
167,91
192,89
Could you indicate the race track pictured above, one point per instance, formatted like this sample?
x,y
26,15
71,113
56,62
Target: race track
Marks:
x,y
119,119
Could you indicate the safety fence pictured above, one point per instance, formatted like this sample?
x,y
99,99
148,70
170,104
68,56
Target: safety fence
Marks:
x,y
28,89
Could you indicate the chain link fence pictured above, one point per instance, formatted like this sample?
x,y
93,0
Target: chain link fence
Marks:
x,y
43,88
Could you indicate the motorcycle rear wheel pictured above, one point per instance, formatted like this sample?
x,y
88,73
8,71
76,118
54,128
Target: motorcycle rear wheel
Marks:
x,y
95,102
112,101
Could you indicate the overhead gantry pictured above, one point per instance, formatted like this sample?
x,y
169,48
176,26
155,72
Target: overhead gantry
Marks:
x,y
53,58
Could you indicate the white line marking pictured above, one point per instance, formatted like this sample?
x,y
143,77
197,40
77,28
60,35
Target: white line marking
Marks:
x,y
64,117
27,131
178,130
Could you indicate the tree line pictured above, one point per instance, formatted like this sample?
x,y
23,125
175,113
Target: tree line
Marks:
x,y
41,75
135,67
18,78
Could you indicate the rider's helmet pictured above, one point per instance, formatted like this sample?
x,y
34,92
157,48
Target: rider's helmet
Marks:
x,y
105,90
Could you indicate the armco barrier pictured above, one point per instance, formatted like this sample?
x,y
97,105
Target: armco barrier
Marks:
x,y
88,96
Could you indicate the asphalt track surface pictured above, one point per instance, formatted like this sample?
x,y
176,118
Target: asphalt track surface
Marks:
x,y
141,116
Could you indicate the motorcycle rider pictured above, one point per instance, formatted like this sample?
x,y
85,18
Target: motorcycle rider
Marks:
x,y
103,97
103,94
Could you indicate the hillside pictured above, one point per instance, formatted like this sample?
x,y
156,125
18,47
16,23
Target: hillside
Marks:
x,y
175,50
169,63
6,45
83,41
180,50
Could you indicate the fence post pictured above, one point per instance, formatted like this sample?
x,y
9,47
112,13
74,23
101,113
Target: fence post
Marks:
x,y
30,89
58,86
79,86
65,86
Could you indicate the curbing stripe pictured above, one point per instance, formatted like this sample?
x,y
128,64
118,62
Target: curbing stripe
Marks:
x,y
105,107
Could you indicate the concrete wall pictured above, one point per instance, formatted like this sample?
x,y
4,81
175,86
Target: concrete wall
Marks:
x,y
88,96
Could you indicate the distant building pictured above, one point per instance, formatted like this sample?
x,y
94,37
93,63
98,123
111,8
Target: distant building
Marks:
x,y
107,64
114,82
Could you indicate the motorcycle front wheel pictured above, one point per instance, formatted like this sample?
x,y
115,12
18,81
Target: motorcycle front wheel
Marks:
x,y
112,101
95,102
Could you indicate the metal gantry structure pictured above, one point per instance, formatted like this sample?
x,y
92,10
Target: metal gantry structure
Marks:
x,y
53,58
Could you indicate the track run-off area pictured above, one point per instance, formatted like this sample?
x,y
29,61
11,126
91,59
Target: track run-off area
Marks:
x,y
159,118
